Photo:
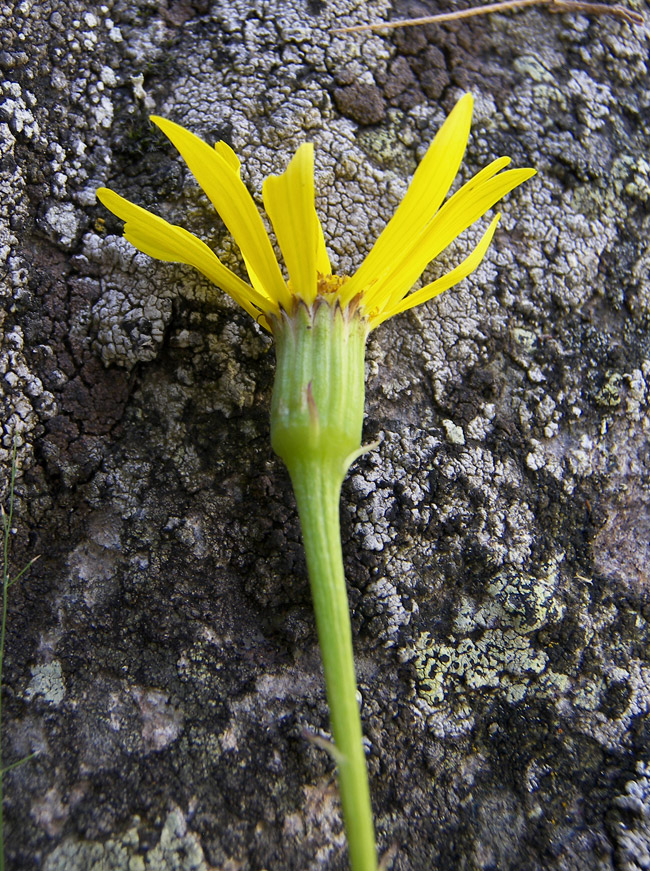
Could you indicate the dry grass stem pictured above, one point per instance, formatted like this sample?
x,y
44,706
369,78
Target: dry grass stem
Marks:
x,y
574,6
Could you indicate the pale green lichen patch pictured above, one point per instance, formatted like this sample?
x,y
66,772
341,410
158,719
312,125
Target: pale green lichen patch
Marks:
x,y
492,644
48,682
496,658
385,145
609,394
631,175
177,850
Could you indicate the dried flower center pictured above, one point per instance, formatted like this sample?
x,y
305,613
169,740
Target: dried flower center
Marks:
x,y
330,284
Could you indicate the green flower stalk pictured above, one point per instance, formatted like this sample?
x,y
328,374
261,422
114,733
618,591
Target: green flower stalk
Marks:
x,y
320,322
316,420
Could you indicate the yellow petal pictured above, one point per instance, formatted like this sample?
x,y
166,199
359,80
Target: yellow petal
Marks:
x,y
257,284
220,180
484,174
164,241
228,155
428,188
323,265
466,206
233,161
289,203
468,265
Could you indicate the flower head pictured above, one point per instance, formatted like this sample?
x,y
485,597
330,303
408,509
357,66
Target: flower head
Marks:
x,y
422,226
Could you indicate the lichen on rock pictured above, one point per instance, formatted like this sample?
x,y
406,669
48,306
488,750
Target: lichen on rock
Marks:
x,y
161,654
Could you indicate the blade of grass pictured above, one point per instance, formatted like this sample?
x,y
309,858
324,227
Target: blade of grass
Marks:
x,y
7,524
18,763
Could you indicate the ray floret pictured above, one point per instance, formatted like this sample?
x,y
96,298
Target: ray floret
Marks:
x,y
423,226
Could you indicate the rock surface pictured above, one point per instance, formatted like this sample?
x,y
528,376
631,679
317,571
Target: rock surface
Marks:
x,y
161,659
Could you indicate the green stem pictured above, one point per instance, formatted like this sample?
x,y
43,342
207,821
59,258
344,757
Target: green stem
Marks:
x,y
316,420
317,493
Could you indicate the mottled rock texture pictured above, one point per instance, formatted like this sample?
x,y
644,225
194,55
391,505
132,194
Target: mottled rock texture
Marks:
x,y
161,654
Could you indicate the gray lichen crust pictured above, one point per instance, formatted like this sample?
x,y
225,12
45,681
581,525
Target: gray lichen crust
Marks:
x,y
161,655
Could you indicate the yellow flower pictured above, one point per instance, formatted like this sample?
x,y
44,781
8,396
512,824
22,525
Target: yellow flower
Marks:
x,y
420,229
318,391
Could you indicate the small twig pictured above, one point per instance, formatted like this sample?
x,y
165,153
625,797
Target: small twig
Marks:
x,y
575,6
616,10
